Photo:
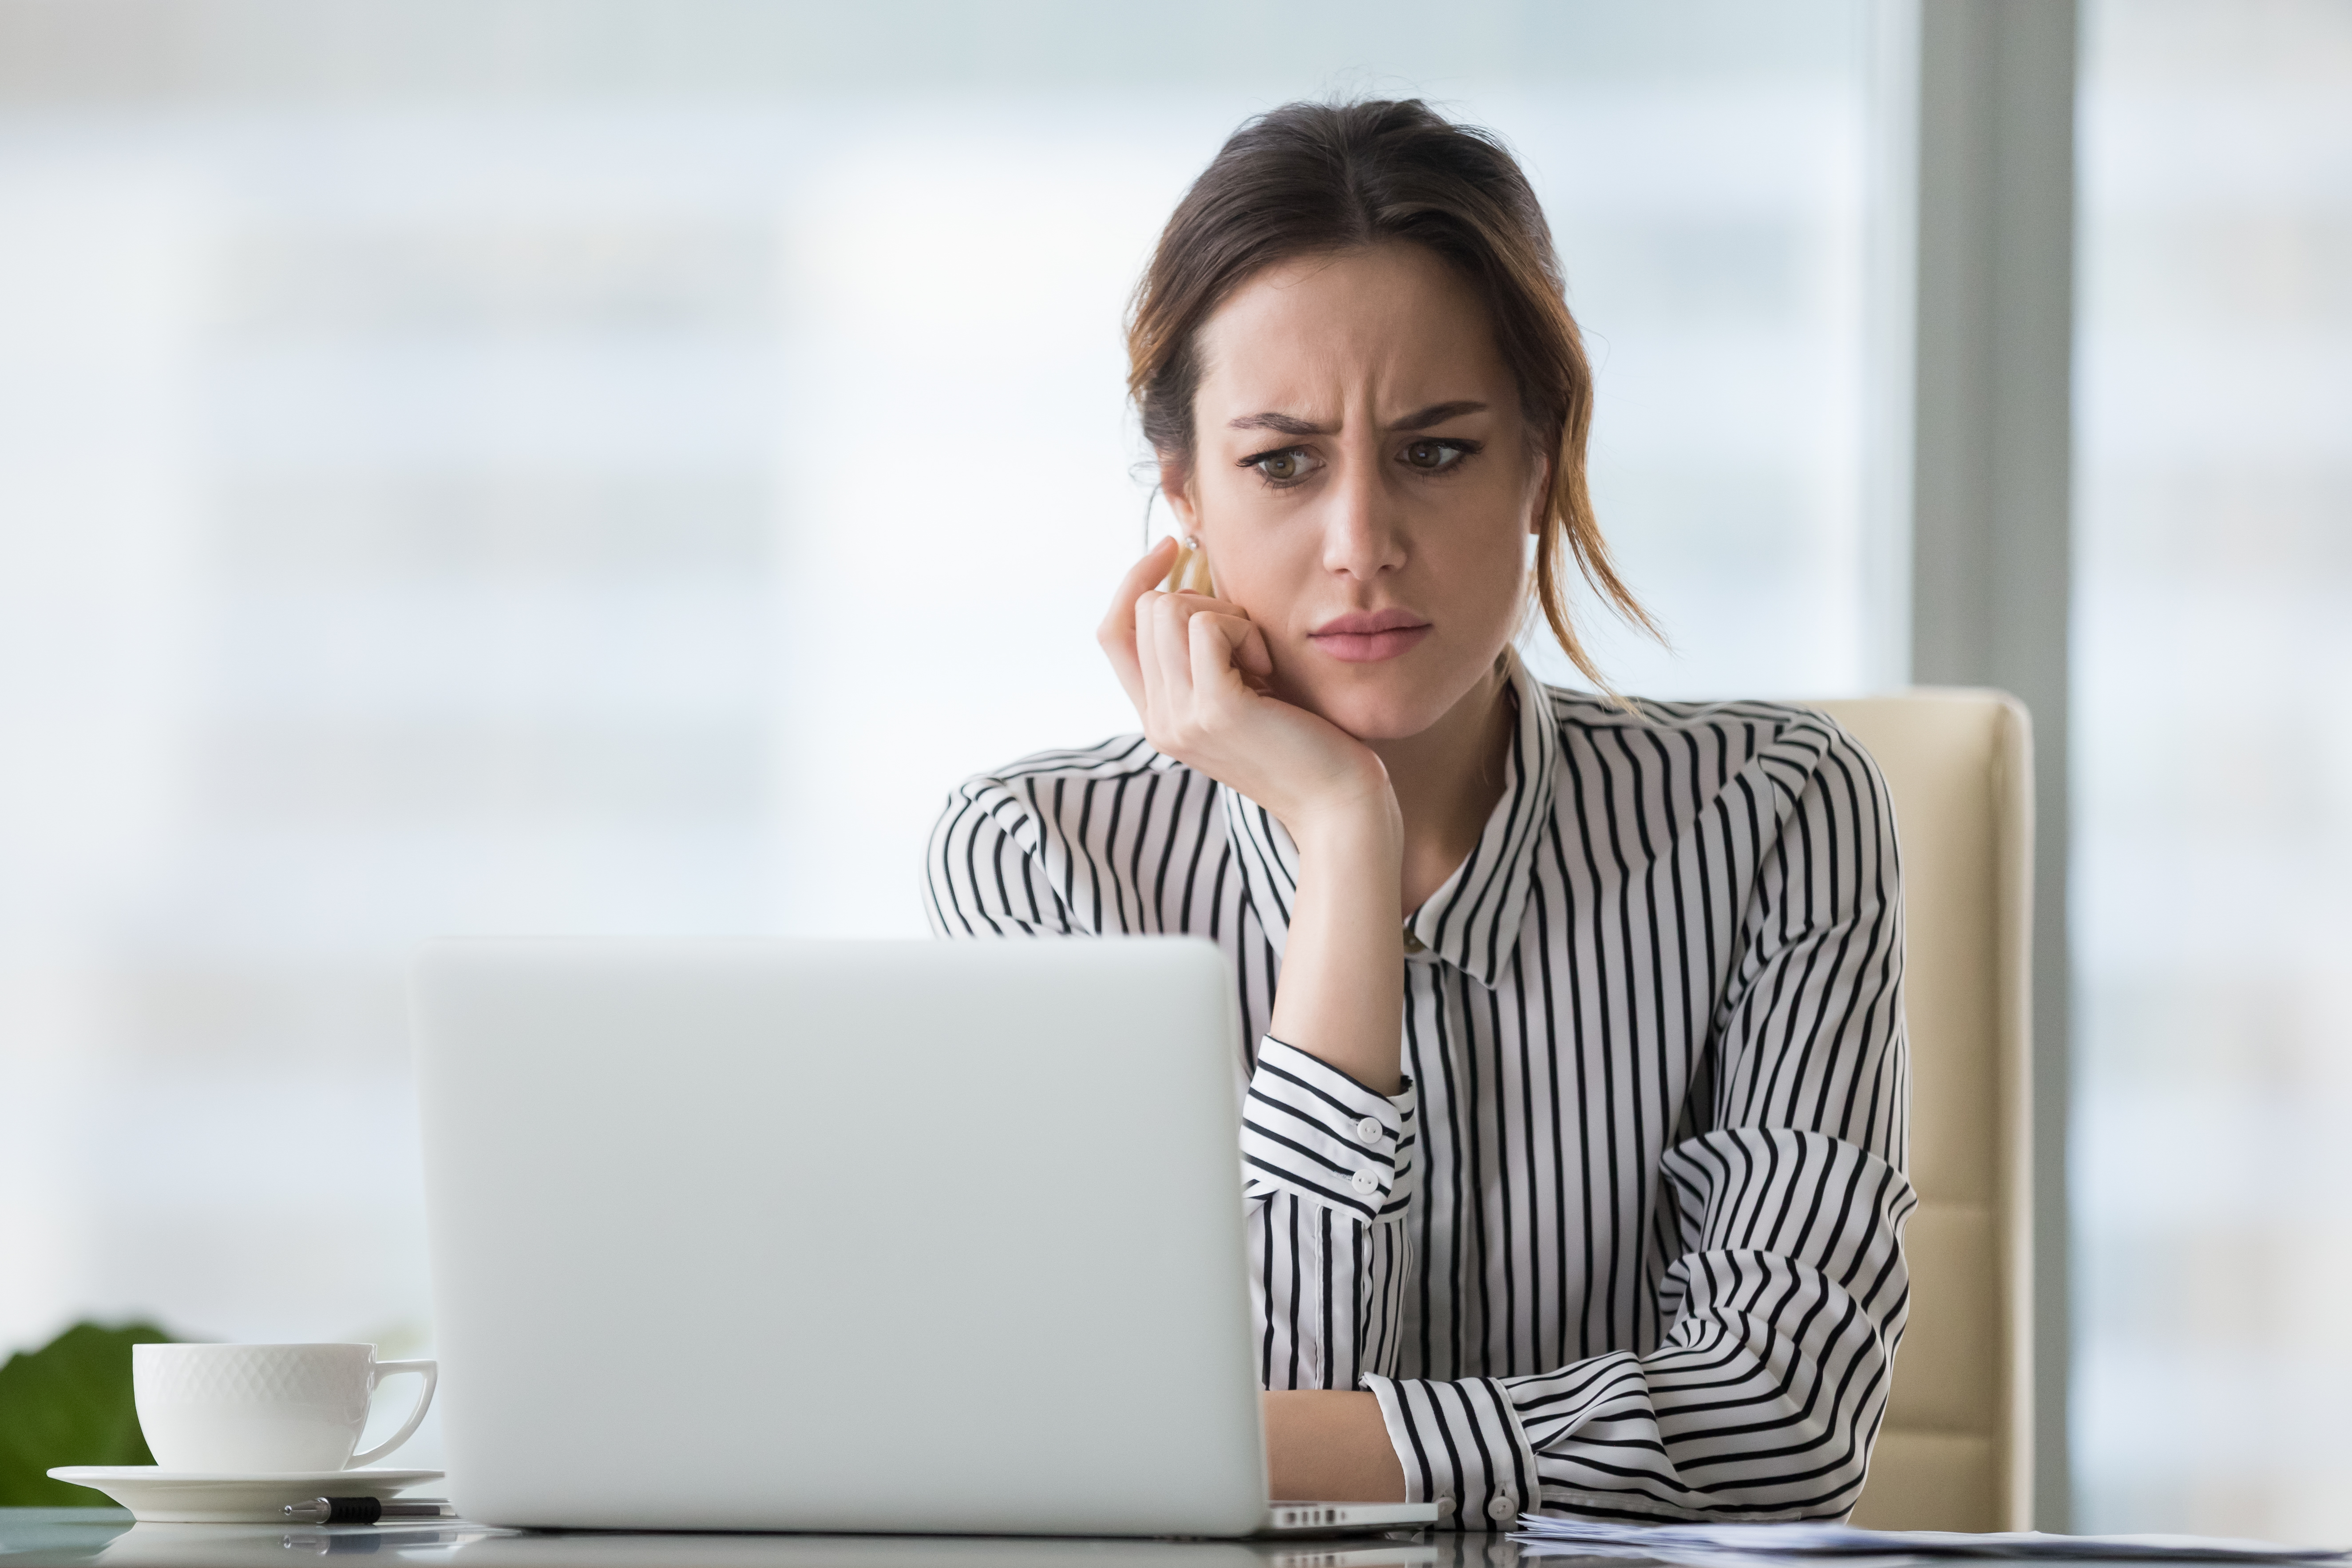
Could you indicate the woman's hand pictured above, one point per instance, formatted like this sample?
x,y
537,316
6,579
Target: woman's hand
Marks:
x,y
1199,671
1330,1444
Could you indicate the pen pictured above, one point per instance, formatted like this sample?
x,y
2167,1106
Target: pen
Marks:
x,y
366,1509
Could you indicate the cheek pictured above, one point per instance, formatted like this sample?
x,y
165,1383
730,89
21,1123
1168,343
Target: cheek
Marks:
x,y
1264,579
1481,541
1477,580
1484,587
1251,542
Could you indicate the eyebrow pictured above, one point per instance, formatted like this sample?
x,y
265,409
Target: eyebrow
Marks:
x,y
1437,413
1291,425
1287,423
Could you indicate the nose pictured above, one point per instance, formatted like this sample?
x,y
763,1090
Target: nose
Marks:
x,y
1363,535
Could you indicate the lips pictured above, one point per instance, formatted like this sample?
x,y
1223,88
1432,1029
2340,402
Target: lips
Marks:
x,y
1367,636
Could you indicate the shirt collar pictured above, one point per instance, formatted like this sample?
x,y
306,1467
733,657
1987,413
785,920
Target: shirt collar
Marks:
x,y
1472,920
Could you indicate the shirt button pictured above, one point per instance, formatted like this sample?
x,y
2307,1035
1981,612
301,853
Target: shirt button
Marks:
x,y
1415,944
1368,1131
1363,1181
1502,1505
1445,1505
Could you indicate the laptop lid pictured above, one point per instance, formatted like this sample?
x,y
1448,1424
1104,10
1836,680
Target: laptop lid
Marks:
x,y
839,1236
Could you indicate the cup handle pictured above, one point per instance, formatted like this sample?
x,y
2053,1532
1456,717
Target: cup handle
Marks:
x,y
384,1369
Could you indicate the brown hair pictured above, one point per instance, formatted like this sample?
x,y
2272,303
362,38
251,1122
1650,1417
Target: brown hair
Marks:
x,y
1311,178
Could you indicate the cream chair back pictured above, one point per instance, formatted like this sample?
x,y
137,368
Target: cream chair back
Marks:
x,y
1957,1450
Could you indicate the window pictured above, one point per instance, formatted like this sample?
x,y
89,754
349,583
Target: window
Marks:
x,y
465,481
2213,814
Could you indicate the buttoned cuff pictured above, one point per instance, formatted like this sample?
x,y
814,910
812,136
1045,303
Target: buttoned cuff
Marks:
x,y
1461,1449
1309,1128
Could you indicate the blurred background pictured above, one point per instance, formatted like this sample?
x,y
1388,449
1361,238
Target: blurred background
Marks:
x,y
482,468
2212,812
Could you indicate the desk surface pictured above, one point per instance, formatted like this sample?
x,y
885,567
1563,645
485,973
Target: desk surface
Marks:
x,y
43,1537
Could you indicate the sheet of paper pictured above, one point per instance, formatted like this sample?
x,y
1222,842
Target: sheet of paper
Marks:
x,y
1710,1556
1750,1546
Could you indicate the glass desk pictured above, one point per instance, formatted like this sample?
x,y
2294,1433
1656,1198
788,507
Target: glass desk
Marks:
x,y
43,1537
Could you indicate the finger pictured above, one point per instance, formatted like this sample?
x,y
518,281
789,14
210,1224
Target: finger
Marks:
x,y
1180,606
1212,643
1196,603
1150,568
1162,627
1151,657
1142,578
1143,638
1254,655
1251,654
1116,632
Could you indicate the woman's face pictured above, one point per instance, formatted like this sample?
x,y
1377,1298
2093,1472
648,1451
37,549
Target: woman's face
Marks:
x,y
1363,484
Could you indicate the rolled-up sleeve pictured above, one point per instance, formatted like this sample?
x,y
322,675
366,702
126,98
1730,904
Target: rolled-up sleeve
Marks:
x,y
1327,1169
1310,1130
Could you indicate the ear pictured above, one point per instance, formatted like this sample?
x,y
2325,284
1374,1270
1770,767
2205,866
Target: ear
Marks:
x,y
1176,484
1538,491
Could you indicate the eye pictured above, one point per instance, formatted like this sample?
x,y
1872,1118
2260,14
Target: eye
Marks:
x,y
1285,467
1435,456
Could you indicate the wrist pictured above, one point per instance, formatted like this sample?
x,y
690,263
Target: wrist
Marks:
x,y
1362,829
1331,1444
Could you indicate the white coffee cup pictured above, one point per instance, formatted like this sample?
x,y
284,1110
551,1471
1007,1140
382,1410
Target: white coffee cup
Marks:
x,y
265,1409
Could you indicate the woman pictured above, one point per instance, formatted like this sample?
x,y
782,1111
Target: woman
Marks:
x,y
1575,1118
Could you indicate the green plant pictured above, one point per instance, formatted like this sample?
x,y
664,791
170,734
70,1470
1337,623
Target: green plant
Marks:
x,y
70,1402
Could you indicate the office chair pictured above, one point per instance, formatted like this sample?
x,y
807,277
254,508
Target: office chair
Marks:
x,y
1957,1449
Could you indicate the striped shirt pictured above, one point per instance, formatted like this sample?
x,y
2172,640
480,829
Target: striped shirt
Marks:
x,y
1627,1243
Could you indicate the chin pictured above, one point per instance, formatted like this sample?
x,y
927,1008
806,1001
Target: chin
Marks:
x,y
1385,708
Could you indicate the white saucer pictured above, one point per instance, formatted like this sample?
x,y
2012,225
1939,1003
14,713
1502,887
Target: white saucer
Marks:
x,y
198,1497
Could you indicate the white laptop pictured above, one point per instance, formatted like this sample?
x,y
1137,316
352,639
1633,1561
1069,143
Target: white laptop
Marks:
x,y
843,1236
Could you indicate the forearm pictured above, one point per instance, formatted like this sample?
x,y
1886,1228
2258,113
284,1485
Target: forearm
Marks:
x,y
1758,1400
1329,1447
1341,997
